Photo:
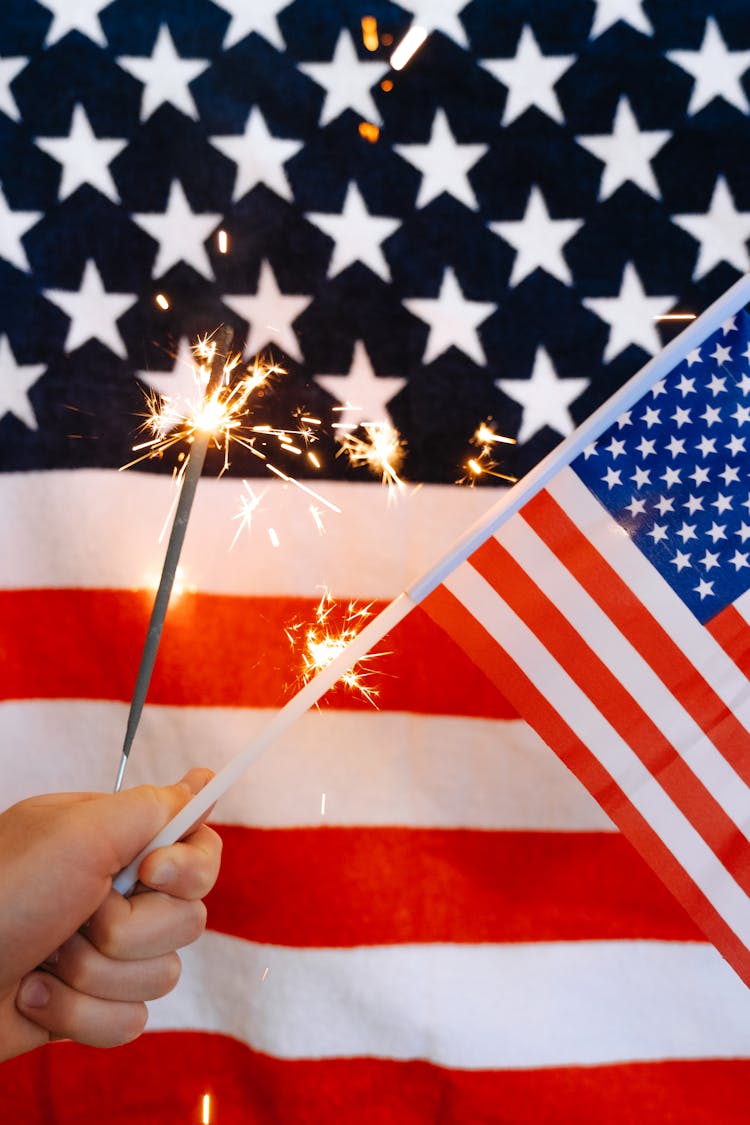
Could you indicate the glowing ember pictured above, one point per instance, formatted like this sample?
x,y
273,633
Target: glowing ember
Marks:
x,y
483,464
381,450
320,643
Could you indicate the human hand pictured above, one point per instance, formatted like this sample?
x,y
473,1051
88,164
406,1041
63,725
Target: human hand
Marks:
x,y
77,960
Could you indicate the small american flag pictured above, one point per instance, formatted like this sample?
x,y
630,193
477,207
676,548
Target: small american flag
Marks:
x,y
611,609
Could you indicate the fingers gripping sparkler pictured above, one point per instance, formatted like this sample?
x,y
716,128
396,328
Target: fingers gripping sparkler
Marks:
x,y
222,342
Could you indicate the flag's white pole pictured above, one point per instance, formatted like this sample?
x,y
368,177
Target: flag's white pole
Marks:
x,y
690,338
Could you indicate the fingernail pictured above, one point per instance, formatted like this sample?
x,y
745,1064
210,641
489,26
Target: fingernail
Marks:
x,y
163,874
34,992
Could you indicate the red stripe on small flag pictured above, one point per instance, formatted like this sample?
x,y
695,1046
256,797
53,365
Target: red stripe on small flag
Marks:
x,y
621,605
730,630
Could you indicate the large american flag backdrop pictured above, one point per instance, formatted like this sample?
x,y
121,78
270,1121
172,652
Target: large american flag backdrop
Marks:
x,y
422,914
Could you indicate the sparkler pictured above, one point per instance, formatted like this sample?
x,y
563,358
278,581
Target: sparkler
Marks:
x,y
205,422
324,640
484,464
382,451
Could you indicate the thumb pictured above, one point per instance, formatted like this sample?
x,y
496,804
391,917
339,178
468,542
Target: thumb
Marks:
x,y
127,821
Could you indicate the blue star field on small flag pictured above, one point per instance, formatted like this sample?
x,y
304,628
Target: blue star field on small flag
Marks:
x,y
673,471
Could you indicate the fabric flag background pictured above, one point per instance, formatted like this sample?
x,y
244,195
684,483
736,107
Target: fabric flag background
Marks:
x,y
422,915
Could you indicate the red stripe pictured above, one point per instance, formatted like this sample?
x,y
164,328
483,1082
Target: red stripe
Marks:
x,y
635,726
730,629
539,713
378,886
162,1077
217,651
618,601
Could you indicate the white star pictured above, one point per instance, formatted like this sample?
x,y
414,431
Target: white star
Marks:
x,y
85,158
10,68
704,588
641,477
717,531
664,504
685,386
347,81
709,560
658,533
729,325
15,382
700,475
75,15
93,311
741,414
706,445
181,385
676,445
630,315
444,163
626,153
693,504
608,12
681,417
646,446
13,226
615,447
711,414
739,560
658,388
735,444
670,476
364,394
636,507
530,78
538,240
651,417
693,357
453,320
439,15
744,532
545,397
258,16
722,232
180,232
357,234
611,477
721,354
165,75
259,156
717,71
722,503
730,475
681,560
625,419
687,532
270,314
716,385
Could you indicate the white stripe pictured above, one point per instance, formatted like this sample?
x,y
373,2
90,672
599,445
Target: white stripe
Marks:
x,y
466,1006
629,668
577,710
659,599
100,529
375,768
